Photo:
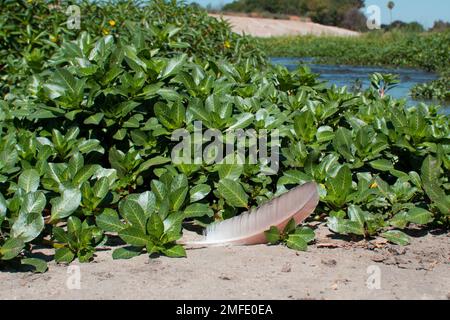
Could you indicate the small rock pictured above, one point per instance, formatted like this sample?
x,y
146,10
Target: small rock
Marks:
x,y
329,263
397,251
286,268
378,258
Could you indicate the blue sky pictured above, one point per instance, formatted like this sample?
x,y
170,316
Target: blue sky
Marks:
x,y
424,11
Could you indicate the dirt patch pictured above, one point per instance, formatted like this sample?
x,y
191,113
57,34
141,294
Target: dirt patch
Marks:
x,y
340,270
262,27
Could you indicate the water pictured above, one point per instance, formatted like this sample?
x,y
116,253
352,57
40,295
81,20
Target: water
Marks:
x,y
344,75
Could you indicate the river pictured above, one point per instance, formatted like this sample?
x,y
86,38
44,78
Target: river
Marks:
x,y
344,75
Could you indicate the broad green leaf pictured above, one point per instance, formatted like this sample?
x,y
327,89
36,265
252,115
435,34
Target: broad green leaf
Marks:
x,y
343,144
75,164
156,161
355,214
126,253
198,210
132,58
419,216
290,226
438,196
273,235
339,187
382,165
109,221
230,171
175,251
155,226
173,226
101,188
30,222
233,193
29,180
74,227
177,198
133,213
85,174
430,170
199,192
306,233
60,235
343,226
415,178
146,200
64,255
95,119
64,206
399,220
34,202
159,189
324,134
28,226
40,266
11,249
242,121
396,237
173,66
134,236
353,227
198,111
296,242
89,146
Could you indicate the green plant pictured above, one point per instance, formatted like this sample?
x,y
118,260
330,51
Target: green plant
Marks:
x,y
78,241
293,237
86,142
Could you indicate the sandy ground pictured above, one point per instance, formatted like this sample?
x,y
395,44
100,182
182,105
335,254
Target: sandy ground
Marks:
x,y
261,27
331,269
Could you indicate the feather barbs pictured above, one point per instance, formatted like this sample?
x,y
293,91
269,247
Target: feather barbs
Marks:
x,y
249,227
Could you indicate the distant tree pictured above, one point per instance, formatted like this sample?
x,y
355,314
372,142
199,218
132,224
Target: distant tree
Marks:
x,y
195,5
440,26
354,19
391,6
405,27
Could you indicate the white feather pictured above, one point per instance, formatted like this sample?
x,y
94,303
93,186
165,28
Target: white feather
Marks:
x,y
249,227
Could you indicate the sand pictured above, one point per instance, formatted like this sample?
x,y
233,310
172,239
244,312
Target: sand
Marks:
x,y
261,27
331,269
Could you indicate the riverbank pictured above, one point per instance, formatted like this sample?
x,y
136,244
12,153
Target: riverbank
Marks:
x,y
263,27
426,51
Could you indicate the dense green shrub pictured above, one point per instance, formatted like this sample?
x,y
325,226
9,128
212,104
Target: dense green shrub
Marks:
x,y
31,31
86,144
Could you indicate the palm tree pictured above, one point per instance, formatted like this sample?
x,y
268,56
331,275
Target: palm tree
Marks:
x,y
391,6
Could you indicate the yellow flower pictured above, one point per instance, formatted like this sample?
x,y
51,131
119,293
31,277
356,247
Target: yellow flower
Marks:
x,y
227,44
112,23
374,185
30,1
54,39
105,31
